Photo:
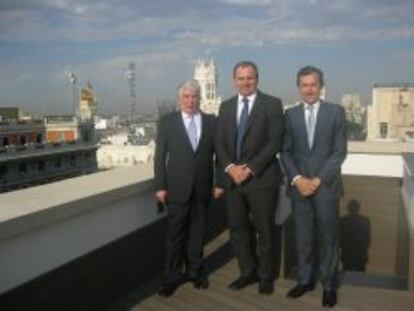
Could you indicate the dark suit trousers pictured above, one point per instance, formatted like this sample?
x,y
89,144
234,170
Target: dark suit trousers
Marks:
x,y
251,216
185,239
316,227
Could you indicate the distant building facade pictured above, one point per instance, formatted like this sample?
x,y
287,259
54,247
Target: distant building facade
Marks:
x,y
105,123
124,155
205,72
391,115
126,149
43,150
355,116
166,107
353,108
323,93
10,113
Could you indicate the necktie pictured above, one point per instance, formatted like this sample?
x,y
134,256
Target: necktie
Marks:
x,y
311,125
192,133
241,127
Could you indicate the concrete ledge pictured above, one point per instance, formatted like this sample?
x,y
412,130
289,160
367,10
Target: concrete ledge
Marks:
x,y
380,147
104,275
378,165
27,209
45,227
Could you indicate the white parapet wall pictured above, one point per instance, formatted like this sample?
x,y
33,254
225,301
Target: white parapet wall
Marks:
x,y
378,165
44,227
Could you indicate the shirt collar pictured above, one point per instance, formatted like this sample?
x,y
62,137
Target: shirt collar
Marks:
x,y
251,97
315,105
186,115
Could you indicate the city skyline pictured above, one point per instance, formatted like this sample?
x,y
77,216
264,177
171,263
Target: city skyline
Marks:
x,y
357,44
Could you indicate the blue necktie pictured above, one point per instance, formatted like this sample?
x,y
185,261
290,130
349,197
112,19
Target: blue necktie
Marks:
x,y
241,127
192,133
310,126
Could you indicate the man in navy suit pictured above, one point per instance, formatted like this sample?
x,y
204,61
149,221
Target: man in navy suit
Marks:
x,y
183,169
249,135
315,148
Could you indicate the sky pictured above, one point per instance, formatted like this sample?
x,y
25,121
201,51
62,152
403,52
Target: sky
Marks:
x,y
356,43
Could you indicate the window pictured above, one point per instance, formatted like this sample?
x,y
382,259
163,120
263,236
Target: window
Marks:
x,y
383,129
39,138
61,136
22,167
3,171
85,136
410,134
22,140
41,165
210,91
6,141
58,162
72,160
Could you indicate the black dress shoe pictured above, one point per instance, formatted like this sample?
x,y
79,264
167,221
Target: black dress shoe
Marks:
x,y
242,282
167,289
200,282
299,290
329,298
266,287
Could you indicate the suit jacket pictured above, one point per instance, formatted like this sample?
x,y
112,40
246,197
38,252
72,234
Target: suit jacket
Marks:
x,y
177,168
263,139
325,157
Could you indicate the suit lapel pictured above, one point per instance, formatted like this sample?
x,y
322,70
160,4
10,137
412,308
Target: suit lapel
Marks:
x,y
204,130
320,120
252,116
233,119
301,119
182,130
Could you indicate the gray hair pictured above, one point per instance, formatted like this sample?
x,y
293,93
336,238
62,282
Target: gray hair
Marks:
x,y
189,84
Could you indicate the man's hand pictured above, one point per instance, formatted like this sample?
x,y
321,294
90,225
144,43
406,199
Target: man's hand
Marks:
x,y
162,196
315,182
239,173
218,192
304,186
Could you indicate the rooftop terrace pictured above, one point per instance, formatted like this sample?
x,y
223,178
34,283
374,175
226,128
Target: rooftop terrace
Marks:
x,y
95,243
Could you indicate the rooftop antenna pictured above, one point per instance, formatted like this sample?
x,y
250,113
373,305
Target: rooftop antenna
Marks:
x,y
74,80
132,93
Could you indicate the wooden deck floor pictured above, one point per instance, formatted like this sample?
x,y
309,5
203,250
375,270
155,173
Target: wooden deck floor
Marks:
x,y
219,297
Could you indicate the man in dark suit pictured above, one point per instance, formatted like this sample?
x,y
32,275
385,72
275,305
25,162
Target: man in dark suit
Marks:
x,y
249,135
183,168
315,147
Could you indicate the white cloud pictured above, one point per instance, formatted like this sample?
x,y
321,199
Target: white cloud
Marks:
x,y
249,2
208,23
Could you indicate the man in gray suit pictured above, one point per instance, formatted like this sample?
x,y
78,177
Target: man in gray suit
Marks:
x,y
315,147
